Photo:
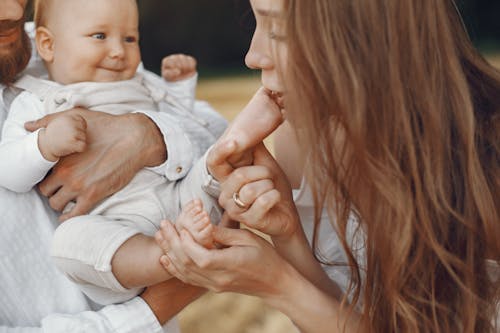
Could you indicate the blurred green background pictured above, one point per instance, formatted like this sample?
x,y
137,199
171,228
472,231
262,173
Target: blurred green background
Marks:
x,y
218,32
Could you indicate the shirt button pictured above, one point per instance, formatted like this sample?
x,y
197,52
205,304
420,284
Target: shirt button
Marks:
x,y
178,170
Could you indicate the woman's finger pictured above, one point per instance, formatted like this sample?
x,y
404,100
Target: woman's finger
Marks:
x,y
251,191
170,243
218,159
239,178
255,216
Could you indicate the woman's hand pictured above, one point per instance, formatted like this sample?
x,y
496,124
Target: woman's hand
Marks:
x,y
266,194
253,124
251,266
248,264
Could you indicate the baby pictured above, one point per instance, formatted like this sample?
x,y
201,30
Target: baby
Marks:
x,y
91,52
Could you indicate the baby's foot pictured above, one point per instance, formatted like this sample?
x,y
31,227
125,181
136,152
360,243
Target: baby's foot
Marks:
x,y
195,220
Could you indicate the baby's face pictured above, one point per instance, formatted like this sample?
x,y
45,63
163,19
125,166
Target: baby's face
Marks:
x,y
94,40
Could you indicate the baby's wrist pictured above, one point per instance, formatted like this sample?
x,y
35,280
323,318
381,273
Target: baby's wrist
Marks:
x,y
44,147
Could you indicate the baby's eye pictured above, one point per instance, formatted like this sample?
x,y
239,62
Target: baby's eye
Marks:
x,y
99,35
130,39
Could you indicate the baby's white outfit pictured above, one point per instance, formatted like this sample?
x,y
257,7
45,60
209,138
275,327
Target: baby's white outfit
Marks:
x,y
83,247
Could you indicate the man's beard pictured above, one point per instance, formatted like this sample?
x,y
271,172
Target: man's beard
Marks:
x,y
16,56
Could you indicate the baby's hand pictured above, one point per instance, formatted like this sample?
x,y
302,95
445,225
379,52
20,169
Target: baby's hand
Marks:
x,y
63,136
178,67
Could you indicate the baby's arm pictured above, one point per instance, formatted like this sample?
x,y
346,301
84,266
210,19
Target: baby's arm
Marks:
x,y
22,164
177,67
179,72
25,158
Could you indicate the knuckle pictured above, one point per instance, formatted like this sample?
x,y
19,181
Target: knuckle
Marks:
x,y
91,191
268,183
240,176
75,185
185,262
204,263
43,189
222,201
216,289
248,191
225,282
55,204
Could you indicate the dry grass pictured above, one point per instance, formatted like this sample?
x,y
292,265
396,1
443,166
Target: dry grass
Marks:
x,y
233,313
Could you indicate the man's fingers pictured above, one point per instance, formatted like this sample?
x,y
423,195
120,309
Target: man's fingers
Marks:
x,y
81,207
50,185
60,199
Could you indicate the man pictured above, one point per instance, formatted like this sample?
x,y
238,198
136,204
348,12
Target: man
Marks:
x,y
35,297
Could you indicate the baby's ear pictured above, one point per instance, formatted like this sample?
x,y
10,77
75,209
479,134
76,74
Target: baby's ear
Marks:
x,y
45,44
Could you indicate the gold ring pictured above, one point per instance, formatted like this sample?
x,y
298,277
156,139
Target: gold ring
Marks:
x,y
238,202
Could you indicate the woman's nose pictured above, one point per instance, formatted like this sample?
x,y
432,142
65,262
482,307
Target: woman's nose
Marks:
x,y
257,57
255,60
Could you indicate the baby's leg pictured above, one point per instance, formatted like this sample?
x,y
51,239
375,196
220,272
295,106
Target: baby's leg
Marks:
x,y
109,258
137,262
194,219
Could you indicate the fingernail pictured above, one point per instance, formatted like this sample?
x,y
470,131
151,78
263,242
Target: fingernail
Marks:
x,y
163,224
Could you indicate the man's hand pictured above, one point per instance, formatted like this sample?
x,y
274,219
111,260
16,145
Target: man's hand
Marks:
x,y
117,148
63,136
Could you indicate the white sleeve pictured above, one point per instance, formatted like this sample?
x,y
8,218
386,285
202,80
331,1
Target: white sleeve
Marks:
x,y
22,165
186,139
133,316
183,91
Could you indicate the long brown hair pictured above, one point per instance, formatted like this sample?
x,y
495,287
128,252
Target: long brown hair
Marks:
x,y
400,117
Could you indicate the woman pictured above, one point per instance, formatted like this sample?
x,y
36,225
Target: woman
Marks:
x,y
397,120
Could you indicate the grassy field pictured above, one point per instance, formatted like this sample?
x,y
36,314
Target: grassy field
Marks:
x,y
233,313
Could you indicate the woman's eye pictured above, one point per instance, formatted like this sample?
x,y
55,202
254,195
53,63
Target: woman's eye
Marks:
x,y
99,35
